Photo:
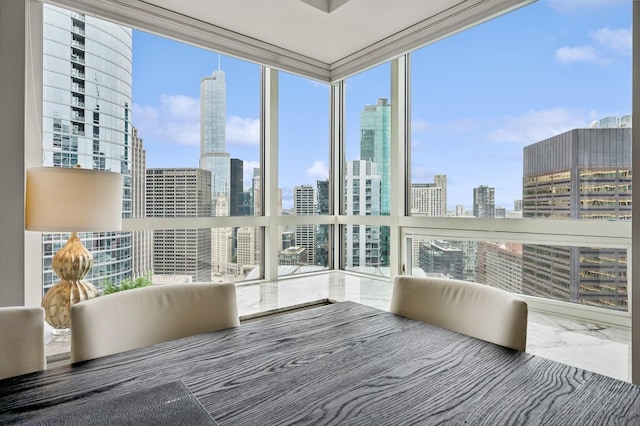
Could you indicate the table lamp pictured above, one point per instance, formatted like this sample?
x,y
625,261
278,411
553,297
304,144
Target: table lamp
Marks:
x,y
71,200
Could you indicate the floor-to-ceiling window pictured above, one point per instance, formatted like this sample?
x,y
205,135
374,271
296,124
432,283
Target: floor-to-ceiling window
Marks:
x,y
521,127
367,171
181,124
303,173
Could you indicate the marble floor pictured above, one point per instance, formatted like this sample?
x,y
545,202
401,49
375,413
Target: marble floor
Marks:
x,y
595,347
600,348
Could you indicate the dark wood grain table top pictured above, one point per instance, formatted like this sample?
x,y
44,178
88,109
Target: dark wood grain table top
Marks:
x,y
341,364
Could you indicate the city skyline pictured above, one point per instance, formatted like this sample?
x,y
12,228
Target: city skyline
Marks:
x,y
574,56
79,119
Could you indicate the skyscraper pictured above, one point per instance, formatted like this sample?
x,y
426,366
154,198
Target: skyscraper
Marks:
x,y
484,202
141,241
500,265
580,174
213,155
86,122
236,188
362,193
305,203
180,193
247,258
426,200
441,182
221,241
375,146
322,238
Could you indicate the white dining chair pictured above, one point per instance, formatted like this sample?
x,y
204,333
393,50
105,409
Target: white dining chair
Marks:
x,y
145,316
477,310
21,340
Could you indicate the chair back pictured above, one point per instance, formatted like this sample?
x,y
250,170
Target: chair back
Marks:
x,y
146,316
477,310
21,340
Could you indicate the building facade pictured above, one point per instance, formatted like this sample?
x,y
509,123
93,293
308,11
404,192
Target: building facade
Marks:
x,y
305,203
87,122
580,174
322,236
213,145
375,146
440,257
293,256
484,202
180,192
141,241
440,181
362,197
221,241
500,265
426,200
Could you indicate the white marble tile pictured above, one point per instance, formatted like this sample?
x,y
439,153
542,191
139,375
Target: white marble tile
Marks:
x,y
599,348
594,347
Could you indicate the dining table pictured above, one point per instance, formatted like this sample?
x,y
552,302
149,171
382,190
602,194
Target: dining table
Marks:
x,y
343,363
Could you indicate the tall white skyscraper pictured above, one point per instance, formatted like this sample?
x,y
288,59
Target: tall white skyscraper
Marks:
x,y
221,241
213,146
426,200
363,197
87,78
305,203
441,182
142,241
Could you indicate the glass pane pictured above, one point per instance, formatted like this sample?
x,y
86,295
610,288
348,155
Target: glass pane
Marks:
x,y
593,276
303,171
367,170
203,117
87,102
180,123
536,124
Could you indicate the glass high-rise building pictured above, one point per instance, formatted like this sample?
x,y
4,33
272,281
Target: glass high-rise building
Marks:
x,y
213,145
236,188
375,146
580,174
87,78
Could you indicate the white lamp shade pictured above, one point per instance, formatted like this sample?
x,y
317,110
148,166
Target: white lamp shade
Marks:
x,y
73,200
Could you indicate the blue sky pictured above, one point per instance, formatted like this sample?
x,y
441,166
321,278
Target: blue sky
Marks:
x,y
478,98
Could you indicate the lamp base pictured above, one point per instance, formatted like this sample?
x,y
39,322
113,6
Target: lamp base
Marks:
x,y
71,263
58,300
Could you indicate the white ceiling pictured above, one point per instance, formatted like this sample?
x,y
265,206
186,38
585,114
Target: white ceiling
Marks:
x,y
323,39
306,30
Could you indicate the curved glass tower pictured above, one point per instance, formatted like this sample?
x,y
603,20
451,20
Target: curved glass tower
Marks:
x,y
87,80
